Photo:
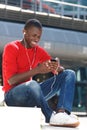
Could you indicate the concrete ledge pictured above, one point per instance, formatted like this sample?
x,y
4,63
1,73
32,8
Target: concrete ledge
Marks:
x,y
1,97
20,118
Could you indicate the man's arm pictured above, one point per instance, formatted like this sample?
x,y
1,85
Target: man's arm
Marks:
x,y
42,68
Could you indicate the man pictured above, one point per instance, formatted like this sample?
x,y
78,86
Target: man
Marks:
x,y
23,59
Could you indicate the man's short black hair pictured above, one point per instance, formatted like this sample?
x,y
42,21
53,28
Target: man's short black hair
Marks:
x,y
32,22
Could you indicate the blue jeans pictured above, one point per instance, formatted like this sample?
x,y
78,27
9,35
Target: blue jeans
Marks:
x,y
32,94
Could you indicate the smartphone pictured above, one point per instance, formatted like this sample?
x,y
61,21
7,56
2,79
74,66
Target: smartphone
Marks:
x,y
56,60
53,60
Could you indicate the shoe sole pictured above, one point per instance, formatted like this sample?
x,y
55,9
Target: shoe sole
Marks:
x,y
66,125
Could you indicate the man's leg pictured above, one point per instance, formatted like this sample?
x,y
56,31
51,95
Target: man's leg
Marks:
x,y
28,94
65,82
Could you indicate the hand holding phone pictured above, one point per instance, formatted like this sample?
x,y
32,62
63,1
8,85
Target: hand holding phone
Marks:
x,y
56,60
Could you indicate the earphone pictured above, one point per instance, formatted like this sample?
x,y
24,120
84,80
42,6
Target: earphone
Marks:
x,y
24,33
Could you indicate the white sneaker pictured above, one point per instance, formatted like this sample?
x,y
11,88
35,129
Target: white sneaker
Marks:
x,y
64,120
74,116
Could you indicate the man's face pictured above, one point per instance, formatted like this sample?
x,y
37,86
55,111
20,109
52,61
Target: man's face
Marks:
x,y
32,36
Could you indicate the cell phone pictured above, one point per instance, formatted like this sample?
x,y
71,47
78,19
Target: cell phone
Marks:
x,y
56,59
53,60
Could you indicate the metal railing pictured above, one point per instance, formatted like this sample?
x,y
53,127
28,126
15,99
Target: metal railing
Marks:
x,y
49,6
68,9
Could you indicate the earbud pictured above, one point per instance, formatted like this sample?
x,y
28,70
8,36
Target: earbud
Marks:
x,y
24,33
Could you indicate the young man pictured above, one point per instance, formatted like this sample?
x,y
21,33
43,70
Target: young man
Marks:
x,y
23,59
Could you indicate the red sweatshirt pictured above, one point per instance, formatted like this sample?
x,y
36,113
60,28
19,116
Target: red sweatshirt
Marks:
x,y
15,60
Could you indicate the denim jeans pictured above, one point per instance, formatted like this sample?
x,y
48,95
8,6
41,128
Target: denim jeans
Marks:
x,y
31,93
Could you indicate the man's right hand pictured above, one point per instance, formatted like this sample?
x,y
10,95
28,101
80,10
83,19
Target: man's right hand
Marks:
x,y
47,67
